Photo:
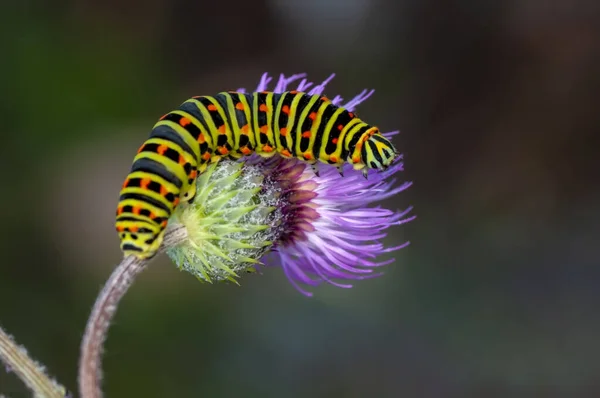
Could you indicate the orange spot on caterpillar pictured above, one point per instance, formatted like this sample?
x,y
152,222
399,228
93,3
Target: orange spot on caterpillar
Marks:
x,y
312,116
294,92
162,149
133,228
239,106
244,129
164,224
201,139
245,150
184,121
212,107
163,116
323,98
125,183
285,109
283,131
152,215
306,134
206,156
181,159
264,129
120,228
222,129
163,190
193,173
356,159
286,153
141,148
119,211
176,201
340,127
144,183
334,141
267,148
351,115
223,150
263,108
333,158
308,156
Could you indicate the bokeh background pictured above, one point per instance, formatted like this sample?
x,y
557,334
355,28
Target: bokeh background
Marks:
x,y
497,296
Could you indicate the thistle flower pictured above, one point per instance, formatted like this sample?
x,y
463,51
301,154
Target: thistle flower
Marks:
x,y
317,227
279,212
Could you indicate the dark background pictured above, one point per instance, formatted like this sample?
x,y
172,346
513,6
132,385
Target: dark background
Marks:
x,y
497,296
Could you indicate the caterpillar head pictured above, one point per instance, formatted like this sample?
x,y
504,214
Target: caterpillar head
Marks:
x,y
138,239
377,152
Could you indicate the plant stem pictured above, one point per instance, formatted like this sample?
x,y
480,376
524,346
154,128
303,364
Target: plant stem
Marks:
x,y
29,371
123,276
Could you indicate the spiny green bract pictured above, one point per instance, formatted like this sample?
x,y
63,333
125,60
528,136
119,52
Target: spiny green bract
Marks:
x,y
230,223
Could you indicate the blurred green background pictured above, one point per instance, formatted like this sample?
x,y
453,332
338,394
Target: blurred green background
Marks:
x,y
497,296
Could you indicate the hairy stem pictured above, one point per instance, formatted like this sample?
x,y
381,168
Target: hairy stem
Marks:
x,y
90,363
29,371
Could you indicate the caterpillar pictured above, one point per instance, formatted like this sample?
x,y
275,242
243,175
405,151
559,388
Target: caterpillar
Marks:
x,y
230,124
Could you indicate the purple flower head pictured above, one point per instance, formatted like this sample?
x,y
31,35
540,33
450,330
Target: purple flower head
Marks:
x,y
278,211
332,233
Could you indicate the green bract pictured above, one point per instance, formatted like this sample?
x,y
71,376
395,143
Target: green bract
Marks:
x,y
230,223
